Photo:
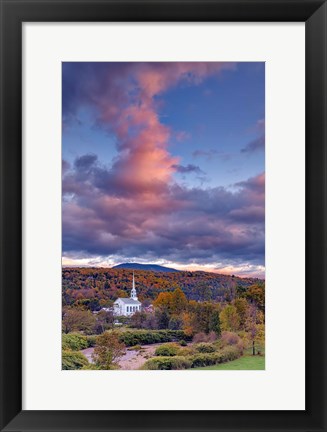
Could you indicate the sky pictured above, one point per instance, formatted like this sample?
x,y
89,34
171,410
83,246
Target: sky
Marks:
x,y
164,163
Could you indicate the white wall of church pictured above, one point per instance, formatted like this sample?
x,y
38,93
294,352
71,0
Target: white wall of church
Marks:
x,y
130,310
120,308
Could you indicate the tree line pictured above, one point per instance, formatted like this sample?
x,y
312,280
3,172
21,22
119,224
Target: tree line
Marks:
x,y
94,288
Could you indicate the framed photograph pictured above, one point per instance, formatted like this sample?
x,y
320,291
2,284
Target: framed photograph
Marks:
x,y
163,215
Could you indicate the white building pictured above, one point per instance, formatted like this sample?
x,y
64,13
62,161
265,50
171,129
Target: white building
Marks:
x,y
127,306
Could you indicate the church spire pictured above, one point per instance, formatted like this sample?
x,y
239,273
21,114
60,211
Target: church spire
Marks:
x,y
133,292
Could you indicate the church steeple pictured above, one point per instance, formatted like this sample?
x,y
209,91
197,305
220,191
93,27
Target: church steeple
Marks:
x,y
133,292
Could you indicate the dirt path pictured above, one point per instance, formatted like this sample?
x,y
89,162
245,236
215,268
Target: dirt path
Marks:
x,y
132,359
88,354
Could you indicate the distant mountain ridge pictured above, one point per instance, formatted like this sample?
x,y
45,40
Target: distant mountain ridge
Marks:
x,y
151,267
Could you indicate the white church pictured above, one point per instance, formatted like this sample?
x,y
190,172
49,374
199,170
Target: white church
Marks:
x,y
127,306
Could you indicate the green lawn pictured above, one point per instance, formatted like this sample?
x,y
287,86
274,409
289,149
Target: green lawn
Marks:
x,y
243,363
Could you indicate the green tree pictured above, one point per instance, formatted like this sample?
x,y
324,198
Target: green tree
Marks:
x,y
241,291
215,325
242,307
178,301
162,318
255,327
175,322
205,317
256,294
230,320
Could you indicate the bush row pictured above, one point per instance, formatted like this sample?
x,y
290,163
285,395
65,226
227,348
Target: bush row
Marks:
x,y
91,340
172,349
167,350
193,361
144,337
222,356
77,341
73,360
205,347
74,342
168,363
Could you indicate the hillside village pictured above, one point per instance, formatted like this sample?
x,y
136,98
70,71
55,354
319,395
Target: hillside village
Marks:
x,y
159,320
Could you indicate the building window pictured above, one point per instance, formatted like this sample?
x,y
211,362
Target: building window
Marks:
x,y
127,308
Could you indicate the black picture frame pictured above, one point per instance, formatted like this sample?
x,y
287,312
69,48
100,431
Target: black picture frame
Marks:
x,y
13,14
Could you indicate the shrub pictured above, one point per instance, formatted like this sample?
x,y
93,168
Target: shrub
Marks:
x,y
141,337
72,360
74,342
199,337
124,320
205,347
222,356
167,363
229,338
135,348
91,341
183,343
212,336
187,351
167,350
204,337
205,359
232,339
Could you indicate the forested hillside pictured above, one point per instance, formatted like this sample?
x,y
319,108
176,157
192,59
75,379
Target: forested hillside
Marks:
x,y
94,288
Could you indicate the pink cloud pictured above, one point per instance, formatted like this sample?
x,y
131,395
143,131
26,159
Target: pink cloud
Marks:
x,y
125,103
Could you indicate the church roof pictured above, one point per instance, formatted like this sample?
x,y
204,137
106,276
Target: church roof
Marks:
x,y
129,301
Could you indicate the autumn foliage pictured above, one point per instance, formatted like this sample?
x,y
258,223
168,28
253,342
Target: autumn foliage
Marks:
x,y
108,350
204,307
94,288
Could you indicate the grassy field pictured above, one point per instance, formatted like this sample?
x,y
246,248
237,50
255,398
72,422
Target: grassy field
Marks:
x,y
243,363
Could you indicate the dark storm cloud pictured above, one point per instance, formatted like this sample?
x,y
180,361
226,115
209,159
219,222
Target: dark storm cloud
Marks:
x,y
176,223
84,163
